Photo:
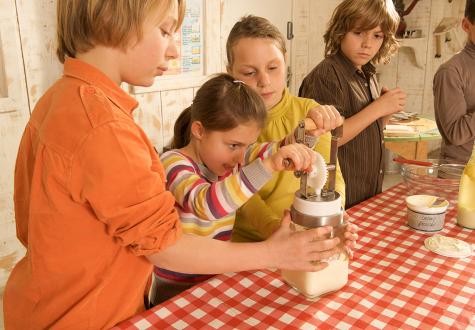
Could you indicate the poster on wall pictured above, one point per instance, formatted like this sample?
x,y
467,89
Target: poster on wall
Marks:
x,y
189,42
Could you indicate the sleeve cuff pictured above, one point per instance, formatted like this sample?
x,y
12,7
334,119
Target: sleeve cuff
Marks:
x,y
256,174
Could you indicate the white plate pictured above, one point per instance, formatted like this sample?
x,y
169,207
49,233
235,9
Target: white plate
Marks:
x,y
449,246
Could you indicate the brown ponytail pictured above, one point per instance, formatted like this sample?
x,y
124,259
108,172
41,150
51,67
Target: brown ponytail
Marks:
x,y
221,104
182,130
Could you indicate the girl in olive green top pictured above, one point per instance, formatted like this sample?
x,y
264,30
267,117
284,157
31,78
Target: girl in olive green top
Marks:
x,y
256,55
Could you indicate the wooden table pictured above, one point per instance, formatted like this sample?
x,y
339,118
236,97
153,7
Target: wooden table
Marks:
x,y
394,282
414,146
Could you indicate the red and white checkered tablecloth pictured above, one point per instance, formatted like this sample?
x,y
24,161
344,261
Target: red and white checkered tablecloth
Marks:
x,y
394,282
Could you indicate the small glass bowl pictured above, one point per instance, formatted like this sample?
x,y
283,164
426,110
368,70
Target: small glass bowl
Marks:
x,y
441,180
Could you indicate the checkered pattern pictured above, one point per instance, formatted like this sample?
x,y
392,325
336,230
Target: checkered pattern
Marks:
x,y
394,282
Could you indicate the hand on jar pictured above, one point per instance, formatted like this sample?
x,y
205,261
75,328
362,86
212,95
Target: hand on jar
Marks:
x,y
351,235
306,250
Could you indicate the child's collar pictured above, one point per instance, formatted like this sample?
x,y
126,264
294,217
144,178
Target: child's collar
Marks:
x,y
368,68
470,47
91,75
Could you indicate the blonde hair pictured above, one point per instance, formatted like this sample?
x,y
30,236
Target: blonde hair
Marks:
x,y
83,24
253,27
363,15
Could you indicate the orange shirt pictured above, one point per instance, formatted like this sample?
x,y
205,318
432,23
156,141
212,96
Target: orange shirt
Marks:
x,y
90,202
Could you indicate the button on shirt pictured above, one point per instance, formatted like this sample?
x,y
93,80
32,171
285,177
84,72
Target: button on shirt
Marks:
x,y
336,81
90,203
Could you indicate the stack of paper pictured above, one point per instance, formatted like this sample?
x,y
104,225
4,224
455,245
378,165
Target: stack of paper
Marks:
x,y
403,116
399,130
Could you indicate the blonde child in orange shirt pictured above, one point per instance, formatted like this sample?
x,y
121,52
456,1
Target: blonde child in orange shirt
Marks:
x,y
90,201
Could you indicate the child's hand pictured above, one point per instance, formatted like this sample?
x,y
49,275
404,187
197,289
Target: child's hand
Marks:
x,y
351,235
325,118
302,250
292,157
391,101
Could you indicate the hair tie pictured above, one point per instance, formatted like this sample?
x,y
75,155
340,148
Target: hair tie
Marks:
x,y
238,81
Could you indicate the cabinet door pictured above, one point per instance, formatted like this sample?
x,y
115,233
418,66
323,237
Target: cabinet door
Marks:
x,y
13,116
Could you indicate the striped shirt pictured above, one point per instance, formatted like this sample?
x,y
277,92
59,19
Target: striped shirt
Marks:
x,y
207,203
338,82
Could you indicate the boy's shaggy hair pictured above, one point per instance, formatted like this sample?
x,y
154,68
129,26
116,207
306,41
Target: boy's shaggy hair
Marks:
x,y
363,15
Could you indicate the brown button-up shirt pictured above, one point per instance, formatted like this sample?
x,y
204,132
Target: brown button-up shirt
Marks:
x,y
338,82
454,104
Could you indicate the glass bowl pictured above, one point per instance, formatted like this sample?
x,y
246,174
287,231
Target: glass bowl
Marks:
x,y
442,179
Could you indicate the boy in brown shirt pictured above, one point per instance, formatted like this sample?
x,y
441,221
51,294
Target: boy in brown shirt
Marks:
x,y
454,96
360,33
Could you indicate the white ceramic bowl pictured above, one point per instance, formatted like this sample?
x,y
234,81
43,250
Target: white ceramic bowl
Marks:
x,y
425,204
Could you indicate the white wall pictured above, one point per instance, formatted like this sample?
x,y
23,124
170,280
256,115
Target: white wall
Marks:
x,y
310,19
233,10
416,80
14,113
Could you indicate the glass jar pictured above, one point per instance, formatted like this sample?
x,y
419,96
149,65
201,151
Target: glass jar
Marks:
x,y
466,199
313,212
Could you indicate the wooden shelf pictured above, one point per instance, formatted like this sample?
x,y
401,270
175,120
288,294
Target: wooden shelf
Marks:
x,y
415,45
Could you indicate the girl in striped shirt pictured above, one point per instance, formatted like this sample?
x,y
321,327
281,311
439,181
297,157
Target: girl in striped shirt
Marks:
x,y
215,165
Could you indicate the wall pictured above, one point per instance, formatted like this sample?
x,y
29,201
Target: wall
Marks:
x,y
13,115
414,66
310,20
233,10
30,66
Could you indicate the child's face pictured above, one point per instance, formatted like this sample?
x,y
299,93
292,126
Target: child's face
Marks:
x,y
361,46
222,151
142,61
261,65
469,28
